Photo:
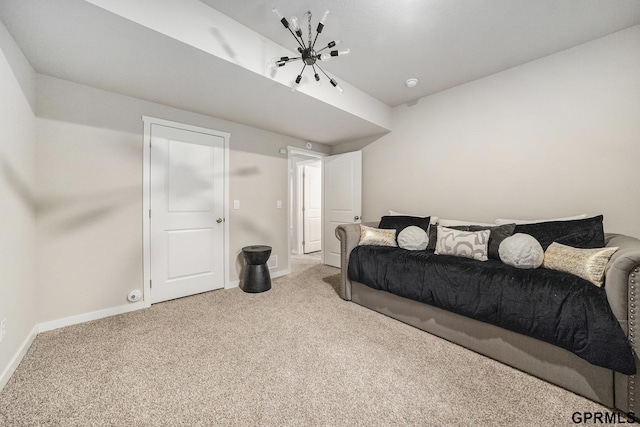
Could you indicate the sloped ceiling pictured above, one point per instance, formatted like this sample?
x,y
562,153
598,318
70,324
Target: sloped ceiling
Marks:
x,y
211,56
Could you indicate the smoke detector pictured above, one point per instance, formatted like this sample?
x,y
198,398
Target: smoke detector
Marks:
x,y
412,82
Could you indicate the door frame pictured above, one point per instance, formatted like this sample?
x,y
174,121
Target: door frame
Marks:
x,y
146,197
292,151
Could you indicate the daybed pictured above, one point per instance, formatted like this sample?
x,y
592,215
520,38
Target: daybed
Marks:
x,y
534,356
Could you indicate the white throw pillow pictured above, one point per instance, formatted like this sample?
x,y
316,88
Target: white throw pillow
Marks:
x,y
501,221
467,244
413,238
521,251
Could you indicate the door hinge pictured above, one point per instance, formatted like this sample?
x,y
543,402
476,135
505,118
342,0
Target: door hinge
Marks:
x,y
303,242
149,213
150,283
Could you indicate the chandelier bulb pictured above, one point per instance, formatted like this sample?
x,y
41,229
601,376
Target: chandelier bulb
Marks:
x,y
281,18
317,77
335,84
340,52
295,26
325,57
324,17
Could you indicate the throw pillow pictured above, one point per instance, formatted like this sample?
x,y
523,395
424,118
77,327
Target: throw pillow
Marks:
x,y
581,233
413,238
586,263
434,219
498,234
521,251
400,222
457,222
467,244
376,236
501,221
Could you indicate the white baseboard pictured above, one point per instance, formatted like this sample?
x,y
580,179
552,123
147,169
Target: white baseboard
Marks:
x,y
17,358
94,315
81,318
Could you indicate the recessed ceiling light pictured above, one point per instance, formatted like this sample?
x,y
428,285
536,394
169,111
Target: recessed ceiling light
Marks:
x,y
412,82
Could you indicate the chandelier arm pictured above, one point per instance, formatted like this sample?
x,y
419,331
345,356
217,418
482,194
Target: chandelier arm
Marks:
x,y
315,72
323,72
298,40
329,45
299,78
285,60
314,41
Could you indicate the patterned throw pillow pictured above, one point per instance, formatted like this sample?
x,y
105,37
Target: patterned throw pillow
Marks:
x,y
467,244
586,263
377,236
498,234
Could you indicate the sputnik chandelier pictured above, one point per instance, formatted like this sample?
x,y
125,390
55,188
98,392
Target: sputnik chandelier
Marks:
x,y
308,54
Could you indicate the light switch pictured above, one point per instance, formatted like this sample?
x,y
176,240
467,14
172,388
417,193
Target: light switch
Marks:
x,y
236,204
279,204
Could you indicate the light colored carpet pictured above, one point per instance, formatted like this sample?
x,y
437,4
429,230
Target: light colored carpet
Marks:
x,y
296,355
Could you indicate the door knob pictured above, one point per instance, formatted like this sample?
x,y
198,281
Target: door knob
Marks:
x,y
356,218
219,220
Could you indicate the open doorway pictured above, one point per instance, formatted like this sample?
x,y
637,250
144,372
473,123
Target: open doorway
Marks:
x,y
305,201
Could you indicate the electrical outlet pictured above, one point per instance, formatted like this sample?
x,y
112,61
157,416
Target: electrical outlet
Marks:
x,y
3,330
272,262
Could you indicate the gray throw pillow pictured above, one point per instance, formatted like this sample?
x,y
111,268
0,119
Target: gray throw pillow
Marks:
x,y
521,251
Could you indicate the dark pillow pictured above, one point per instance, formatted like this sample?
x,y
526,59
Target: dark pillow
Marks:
x,y
433,237
400,222
585,233
498,234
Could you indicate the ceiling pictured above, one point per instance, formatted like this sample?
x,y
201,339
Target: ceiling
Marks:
x,y
443,43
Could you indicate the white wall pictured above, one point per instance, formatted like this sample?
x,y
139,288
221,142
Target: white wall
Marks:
x,y
17,204
553,137
89,162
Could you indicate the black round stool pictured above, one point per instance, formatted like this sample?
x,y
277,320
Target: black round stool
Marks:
x,y
256,275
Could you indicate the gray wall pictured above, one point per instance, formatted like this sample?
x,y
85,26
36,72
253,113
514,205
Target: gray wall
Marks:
x,y
18,306
89,165
554,137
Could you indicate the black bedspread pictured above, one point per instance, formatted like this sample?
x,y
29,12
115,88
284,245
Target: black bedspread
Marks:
x,y
559,308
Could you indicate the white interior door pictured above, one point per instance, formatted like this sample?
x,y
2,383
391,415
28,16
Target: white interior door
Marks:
x,y
312,207
342,198
187,210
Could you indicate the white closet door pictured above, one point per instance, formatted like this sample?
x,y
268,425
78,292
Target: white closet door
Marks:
x,y
187,210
